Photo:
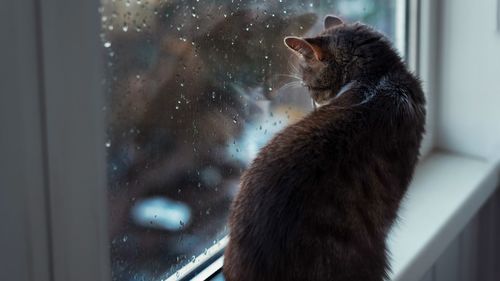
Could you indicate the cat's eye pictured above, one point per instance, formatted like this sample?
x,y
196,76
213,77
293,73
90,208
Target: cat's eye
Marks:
x,y
194,89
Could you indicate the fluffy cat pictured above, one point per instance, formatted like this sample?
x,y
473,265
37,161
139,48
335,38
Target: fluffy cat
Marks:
x,y
319,199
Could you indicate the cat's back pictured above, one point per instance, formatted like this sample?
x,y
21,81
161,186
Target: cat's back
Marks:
x,y
321,167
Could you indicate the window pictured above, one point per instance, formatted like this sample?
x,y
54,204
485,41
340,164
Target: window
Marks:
x,y
193,90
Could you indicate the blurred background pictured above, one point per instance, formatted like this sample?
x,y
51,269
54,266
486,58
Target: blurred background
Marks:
x,y
193,90
127,123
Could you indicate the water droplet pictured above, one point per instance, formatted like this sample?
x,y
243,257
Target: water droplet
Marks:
x,y
108,144
125,27
107,44
125,238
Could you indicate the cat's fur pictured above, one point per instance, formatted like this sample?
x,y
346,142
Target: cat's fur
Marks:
x,y
318,201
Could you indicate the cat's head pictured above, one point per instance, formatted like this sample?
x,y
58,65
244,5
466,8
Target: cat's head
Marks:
x,y
342,53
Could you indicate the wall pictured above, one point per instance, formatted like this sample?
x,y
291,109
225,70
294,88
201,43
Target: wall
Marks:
x,y
469,71
24,240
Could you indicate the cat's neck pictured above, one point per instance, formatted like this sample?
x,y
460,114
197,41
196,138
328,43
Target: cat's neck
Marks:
x,y
348,86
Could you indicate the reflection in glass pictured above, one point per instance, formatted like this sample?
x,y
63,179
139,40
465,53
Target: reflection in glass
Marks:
x,y
194,89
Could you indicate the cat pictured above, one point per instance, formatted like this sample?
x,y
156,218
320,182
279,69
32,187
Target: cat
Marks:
x,y
318,201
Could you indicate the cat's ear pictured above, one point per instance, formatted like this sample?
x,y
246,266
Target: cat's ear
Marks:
x,y
306,47
331,21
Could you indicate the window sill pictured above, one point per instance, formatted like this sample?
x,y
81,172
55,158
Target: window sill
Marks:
x,y
446,192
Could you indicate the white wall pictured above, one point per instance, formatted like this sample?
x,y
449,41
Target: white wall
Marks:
x,y
469,72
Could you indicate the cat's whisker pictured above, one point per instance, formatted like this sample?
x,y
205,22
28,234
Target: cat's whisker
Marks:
x,y
291,85
294,68
291,76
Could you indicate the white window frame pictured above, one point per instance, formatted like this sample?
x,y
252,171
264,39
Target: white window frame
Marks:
x,y
55,90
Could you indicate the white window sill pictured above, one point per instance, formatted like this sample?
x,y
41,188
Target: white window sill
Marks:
x,y
446,192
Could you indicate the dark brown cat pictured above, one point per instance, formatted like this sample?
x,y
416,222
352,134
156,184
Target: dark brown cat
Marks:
x,y
319,199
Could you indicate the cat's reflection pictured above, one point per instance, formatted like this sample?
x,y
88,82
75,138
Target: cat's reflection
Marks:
x,y
177,102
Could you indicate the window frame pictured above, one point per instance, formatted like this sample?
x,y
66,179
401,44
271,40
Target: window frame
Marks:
x,y
72,199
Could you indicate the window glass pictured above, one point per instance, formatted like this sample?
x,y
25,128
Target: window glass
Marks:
x,y
194,89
